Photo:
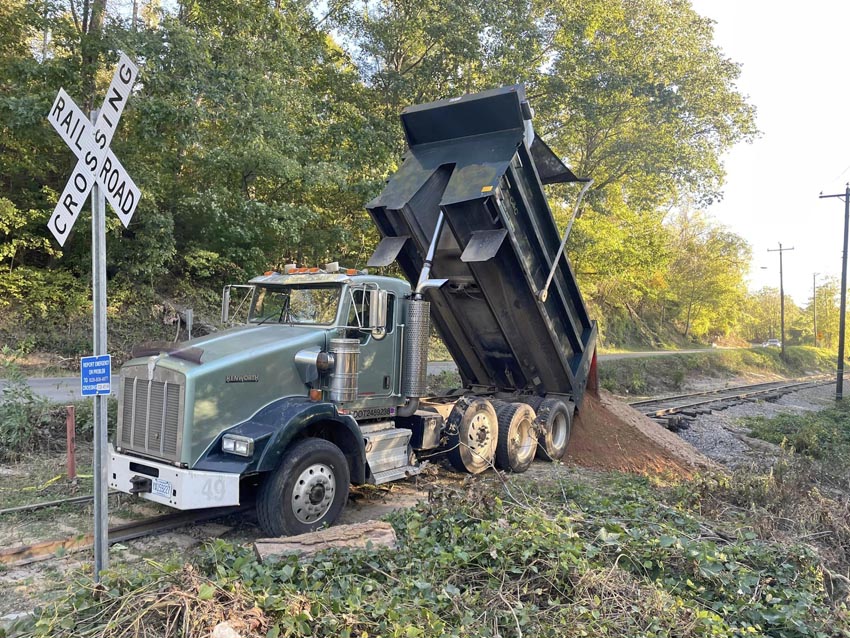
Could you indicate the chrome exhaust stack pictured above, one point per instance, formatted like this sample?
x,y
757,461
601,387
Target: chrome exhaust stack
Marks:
x,y
415,368
343,381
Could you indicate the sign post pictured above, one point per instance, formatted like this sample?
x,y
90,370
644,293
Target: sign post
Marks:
x,y
97,171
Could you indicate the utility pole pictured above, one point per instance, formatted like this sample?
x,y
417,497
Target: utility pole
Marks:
x,y
815,305
839,375
781,250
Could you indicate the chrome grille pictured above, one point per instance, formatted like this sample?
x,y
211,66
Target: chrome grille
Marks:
x,y
151,415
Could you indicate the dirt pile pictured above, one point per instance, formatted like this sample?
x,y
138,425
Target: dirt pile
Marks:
x,y
608,434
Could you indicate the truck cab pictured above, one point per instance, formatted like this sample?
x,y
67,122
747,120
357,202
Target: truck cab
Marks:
x,y
320,354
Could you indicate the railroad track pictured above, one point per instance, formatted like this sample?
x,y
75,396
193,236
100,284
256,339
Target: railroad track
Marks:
x,y
682,405
696,403
25,554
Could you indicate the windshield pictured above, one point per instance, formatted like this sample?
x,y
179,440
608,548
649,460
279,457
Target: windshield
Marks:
x,y
295,304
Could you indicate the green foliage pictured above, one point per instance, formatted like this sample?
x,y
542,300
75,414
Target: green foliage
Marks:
x,y
22,413
824,434
34,295
646,119
562,559
665,373
707,276
442,383
29,423
797,499
258,130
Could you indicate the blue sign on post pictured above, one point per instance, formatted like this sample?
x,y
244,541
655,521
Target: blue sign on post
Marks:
x,y
96,375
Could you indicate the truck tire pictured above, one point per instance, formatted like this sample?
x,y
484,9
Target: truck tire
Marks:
x,y
517,437
554,424
307,491
534,401
473,432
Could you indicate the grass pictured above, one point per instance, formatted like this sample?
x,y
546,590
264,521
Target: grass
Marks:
x,y
40,478
572,555
820,435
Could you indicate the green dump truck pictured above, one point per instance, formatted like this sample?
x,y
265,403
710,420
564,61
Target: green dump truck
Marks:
x,y
324,386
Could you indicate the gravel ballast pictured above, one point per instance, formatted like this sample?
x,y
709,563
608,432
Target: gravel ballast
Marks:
x,y
721,436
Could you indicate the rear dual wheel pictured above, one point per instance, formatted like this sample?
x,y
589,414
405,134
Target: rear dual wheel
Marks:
x,y
554,424
473,433
517,436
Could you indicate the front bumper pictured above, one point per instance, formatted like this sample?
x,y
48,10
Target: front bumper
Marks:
x,y
173,486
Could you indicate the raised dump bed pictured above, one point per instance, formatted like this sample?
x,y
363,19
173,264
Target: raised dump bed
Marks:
x,y
469,162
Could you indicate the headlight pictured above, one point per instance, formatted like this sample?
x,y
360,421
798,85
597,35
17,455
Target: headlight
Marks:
x,y
235,444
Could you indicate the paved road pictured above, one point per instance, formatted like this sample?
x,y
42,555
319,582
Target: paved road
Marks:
x,y
63,389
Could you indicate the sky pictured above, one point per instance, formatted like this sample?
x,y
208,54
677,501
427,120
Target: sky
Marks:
x,y
795,61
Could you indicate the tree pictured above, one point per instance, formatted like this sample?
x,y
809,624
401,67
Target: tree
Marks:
x,y
632,93
251,129
707,275
828,310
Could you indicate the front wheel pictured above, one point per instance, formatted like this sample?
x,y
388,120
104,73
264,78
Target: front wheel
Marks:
x,y
307,491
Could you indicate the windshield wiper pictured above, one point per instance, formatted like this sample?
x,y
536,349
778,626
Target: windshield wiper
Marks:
x,y
271,316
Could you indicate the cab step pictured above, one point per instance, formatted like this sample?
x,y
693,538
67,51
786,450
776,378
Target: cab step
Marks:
x,y
387,451
394,474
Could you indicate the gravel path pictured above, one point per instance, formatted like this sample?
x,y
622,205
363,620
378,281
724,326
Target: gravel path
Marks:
x,y
721,437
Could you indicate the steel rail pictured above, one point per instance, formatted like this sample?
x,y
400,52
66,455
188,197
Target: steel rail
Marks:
x,y
44,550
719,397
734,388
45,504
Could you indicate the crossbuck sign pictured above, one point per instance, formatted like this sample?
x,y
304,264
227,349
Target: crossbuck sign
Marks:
x,y
95,160
100,173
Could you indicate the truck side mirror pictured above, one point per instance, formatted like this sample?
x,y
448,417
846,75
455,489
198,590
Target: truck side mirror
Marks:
x,y
378,313
225,304
243,304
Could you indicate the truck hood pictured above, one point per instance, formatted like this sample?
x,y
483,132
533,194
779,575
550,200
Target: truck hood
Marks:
x,y
243,341
229,347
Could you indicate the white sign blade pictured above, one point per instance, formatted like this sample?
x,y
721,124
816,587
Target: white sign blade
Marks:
x,y
70,203
74,127
121,193
116,98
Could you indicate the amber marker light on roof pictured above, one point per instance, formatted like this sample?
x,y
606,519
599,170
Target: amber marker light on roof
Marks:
x,y
315,394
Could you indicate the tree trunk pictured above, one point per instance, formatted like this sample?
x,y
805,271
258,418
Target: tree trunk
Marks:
x,y
94,12
355,536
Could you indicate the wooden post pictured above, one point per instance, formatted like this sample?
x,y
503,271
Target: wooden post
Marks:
x,y
71,445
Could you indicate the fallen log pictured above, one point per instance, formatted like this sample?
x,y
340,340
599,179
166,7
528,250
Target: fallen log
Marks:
x,y
354,536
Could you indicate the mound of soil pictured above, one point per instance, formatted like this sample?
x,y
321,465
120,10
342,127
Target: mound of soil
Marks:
x,y
608,434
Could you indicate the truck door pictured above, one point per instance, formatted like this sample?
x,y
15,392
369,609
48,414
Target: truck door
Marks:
x,y
378,376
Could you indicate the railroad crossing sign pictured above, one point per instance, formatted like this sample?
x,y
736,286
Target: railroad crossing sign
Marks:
x,y
95,160
100,173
